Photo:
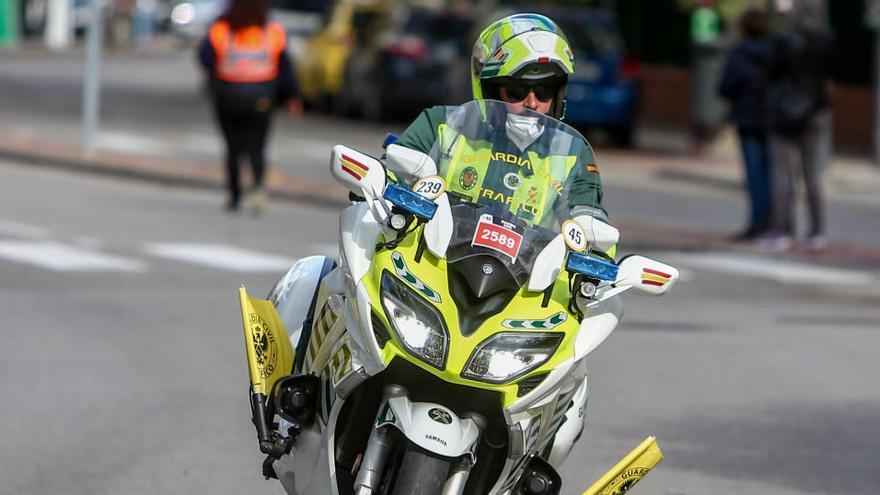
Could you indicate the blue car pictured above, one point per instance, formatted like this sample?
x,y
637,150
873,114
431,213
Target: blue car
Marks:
x,y
604,90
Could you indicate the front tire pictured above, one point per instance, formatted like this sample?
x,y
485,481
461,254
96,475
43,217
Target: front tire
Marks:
x,y
420,473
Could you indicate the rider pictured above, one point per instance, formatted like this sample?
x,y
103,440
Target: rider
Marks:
x,y
523,60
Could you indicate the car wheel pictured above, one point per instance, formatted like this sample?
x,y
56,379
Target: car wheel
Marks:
x,y
375,104
622,135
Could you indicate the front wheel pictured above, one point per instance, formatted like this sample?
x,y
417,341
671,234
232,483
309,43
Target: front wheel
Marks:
x,y
420,473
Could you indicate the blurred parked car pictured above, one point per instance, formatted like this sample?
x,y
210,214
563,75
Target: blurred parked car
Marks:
x,y
190,19
604,90
421,60
322,65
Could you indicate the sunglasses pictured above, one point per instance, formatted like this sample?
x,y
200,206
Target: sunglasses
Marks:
x,y
518,91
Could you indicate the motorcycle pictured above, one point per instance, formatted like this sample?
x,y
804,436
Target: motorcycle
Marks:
x,y
445,353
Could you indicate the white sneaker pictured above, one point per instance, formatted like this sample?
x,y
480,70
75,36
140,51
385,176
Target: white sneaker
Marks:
x,y
774,243
258,201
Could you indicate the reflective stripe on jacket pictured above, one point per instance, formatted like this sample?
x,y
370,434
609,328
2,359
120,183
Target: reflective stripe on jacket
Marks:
x,y
249,55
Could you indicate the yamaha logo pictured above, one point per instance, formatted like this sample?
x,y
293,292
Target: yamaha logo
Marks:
x,y
487,269
440,415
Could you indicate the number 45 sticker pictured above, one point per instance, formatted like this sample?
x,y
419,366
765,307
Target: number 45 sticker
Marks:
x,y
574,236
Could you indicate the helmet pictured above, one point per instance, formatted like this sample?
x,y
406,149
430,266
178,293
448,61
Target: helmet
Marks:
x,y
521,46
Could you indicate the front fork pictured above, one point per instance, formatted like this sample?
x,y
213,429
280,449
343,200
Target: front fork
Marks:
x,y
449,435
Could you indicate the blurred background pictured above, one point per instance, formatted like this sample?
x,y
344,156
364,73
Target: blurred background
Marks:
x,y
335,43
122,368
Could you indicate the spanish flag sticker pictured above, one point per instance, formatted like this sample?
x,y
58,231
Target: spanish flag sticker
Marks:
x,y
654,277
353,167
592,168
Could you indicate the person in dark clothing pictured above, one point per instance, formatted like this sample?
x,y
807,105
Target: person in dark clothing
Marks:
x,y
250,74
744,85
800,119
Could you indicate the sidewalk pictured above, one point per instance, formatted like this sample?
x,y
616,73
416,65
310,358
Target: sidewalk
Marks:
x,y
661,161
157,124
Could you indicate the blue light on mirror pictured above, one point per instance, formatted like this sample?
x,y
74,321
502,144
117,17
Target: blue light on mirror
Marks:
x,y
591,267
410,201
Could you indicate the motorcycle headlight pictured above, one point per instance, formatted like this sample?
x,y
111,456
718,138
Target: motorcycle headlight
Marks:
x,y
506,356
417,324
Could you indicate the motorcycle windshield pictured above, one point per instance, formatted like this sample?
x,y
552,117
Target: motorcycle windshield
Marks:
x,y
481,230
509,160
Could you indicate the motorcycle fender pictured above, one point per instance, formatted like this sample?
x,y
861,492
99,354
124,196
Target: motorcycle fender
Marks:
x,y
294,293
571,428
432,427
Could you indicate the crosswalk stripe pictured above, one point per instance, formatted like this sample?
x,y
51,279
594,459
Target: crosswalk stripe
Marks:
x,y
784,271
61,257
220,256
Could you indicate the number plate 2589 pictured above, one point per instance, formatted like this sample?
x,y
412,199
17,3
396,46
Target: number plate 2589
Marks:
x,y
497,238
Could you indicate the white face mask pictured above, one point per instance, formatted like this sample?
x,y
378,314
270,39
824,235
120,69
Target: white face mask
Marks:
x,y
523,130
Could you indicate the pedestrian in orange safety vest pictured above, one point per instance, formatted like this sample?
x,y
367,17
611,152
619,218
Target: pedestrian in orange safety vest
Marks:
x,y
250,74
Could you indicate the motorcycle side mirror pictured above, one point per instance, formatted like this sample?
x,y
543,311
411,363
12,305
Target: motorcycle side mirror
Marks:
x,y
646,275
409,164
359,173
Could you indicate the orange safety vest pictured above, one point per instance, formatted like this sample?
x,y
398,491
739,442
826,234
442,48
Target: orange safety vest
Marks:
x,y
249,55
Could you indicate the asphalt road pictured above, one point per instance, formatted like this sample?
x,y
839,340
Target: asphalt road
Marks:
x,y
123,371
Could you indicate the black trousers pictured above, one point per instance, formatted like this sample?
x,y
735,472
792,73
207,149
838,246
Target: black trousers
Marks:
x,y
244,121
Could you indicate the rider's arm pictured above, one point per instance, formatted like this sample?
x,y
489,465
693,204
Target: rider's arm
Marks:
x,y
422,133
583,188
583,198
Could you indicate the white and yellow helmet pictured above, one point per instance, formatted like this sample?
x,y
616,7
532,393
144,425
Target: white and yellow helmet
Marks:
x,y
521,46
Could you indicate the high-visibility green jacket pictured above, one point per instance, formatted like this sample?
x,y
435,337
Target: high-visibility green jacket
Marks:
x,y
549,181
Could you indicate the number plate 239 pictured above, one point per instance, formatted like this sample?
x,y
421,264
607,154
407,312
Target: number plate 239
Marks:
x,y
497,237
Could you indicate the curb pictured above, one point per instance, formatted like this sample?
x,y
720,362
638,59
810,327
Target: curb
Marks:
x,y
169,173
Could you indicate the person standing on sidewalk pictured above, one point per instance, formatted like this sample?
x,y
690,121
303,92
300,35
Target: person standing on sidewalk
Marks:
x,y
250,73
800,118
744,85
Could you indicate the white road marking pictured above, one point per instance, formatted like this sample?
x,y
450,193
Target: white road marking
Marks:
x,y
9,228
785,271
64,258
221,256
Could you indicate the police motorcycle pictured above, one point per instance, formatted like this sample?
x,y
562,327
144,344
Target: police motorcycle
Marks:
x,y
446,351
